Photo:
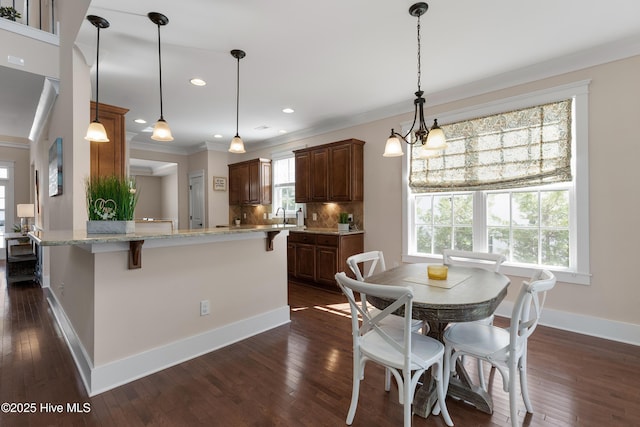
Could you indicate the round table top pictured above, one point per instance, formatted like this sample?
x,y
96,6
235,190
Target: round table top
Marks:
x,y
472,294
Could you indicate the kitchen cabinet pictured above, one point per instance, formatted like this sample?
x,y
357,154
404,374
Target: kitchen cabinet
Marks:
x,y
108,158
315,258
330,173
250,182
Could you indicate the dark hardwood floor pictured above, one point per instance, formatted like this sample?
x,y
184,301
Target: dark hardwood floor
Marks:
x,y
294,375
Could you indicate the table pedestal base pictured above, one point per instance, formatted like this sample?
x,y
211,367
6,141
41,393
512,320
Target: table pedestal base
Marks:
x,y
460,388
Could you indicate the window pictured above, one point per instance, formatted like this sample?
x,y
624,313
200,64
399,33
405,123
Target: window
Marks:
x,y
7,206
486,194
284,184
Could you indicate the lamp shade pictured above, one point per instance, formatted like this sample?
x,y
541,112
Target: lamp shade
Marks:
x,y
161,131
436,139
237,146
96,132
26,211
393,148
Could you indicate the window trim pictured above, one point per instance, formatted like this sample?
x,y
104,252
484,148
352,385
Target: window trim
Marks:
x,y
274,208
579,210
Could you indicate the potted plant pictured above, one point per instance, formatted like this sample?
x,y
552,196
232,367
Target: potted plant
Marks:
x,y
236,220
343,221
111,201
9,13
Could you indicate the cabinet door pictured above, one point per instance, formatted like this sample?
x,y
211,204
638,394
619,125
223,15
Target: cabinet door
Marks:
x,y
265,183
340,179
253,183
305,261
319,175
303,177
326,264
238,176
108,158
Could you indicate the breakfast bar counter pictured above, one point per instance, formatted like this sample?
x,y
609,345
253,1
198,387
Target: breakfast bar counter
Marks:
x,y
192,292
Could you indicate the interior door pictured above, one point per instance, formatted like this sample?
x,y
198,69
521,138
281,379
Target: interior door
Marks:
x,y
196,200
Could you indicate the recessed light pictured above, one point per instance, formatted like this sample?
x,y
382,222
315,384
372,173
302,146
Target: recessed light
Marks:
x,y
142,121
217,135
288,110
197,82
282,131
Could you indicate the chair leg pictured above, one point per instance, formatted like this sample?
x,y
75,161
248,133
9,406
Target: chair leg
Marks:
x,y
523,383
439,376
355,391
481,380
406,390
513,395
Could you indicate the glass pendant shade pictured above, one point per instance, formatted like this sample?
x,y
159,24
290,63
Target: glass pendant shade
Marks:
x,y
393,148
436,139
237,146
96,132
161,131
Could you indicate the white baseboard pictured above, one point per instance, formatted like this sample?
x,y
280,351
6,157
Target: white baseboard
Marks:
x,y
593,326
106,377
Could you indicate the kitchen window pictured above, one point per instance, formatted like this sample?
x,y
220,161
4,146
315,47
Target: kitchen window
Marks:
x,y
513,180
284,185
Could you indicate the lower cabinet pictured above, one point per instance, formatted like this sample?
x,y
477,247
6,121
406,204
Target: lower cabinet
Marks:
x,y
315,258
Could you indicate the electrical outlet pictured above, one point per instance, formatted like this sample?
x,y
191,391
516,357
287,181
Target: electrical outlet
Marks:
x,y
350,217
315,216
204,307
264,215
244,216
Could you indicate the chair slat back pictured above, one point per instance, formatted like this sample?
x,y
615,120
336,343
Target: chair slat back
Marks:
x,y
484,260
528,306
402,296
376,259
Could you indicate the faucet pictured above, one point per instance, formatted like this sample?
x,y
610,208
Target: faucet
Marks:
x,y
284,215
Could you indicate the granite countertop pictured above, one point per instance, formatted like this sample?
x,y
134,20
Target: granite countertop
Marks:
x,y
79,237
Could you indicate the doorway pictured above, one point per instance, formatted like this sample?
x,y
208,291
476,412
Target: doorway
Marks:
x,y
196,200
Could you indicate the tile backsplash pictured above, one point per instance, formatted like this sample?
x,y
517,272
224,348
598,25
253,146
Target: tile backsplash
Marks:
x,y
326,213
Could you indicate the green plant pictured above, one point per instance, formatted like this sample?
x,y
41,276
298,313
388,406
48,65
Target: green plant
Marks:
x,y
111,198
10,13
343,218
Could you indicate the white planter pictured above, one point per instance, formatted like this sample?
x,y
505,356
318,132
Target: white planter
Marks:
x,y
343,227
111,227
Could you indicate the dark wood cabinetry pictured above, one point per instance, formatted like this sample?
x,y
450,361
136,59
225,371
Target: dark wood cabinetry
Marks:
x,y
330,173
315,258
108,158
250,182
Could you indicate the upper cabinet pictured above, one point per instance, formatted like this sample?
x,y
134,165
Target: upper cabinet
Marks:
x,y
108,158
330,173
250,182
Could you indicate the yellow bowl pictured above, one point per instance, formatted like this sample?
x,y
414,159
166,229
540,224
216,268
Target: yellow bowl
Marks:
x,y
437,272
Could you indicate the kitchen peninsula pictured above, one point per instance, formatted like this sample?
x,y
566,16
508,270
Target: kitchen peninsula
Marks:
x,y
192,291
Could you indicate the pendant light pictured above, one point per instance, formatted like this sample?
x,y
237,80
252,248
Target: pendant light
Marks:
x,y
96,131
433,139
161,131
237,146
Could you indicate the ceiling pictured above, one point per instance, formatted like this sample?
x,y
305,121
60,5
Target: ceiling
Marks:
x,y
335,62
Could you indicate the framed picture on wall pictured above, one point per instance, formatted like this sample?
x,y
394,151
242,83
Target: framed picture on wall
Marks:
x,y
219,183
55,168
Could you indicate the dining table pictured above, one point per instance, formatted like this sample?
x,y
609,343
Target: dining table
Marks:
x,y
467,294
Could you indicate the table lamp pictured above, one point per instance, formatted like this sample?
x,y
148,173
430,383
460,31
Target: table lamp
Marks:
x,y
25,211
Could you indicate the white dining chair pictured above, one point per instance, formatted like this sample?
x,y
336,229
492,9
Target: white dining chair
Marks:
x,y
488,261
374,260
506,349
405,353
